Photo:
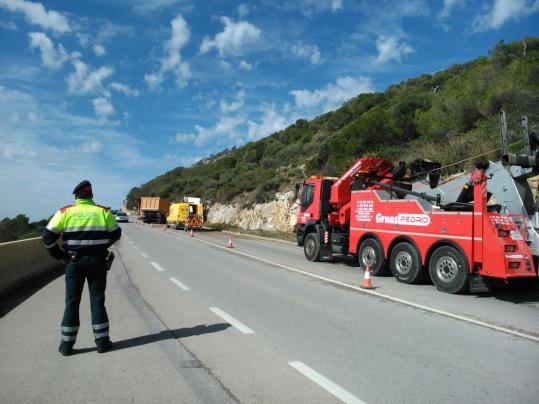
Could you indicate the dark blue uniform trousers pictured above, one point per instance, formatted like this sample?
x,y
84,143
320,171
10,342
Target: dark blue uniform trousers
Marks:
x,y
76,272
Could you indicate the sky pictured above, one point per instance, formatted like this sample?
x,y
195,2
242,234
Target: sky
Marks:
x,y
121,91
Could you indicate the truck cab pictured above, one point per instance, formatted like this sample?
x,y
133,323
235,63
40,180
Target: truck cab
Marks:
x,y
314,206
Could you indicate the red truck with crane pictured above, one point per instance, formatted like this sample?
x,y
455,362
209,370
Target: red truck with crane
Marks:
x,y
372,213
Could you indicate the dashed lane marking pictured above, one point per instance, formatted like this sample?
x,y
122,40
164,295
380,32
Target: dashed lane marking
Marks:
x,y
235,323
429,309
144,255
325,383
157,266
179,284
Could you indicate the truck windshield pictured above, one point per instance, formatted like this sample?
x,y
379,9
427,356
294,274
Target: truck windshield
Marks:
x,y
307,196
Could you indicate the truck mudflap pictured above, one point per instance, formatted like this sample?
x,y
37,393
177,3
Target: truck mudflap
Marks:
x,y
325,252
478,284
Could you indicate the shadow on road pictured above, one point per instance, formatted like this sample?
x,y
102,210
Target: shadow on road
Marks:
x,y
12,299
517,291
161,336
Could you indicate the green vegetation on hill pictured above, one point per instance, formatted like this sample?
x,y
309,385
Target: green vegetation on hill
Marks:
x,y
447,116
20,228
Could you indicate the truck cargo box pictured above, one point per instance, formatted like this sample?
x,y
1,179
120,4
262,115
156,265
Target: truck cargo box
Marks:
x,y
150,203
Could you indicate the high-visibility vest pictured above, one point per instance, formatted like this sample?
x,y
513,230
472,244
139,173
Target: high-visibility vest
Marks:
x,y
83,226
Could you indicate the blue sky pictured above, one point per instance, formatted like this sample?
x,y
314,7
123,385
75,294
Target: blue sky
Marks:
x,y
120,91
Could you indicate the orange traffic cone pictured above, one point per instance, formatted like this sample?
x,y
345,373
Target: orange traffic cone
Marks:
x,y
230,243
367,279
191,234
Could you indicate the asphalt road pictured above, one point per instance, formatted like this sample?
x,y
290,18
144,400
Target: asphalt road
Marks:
x,y
195,321
310,339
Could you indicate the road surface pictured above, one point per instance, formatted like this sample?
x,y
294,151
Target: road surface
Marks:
x,y
195,321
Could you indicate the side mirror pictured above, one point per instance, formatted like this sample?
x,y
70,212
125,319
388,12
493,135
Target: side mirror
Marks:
x,y
434,178
296,192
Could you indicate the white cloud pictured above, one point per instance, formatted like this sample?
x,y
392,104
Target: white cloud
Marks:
x,y
149,6
84,39
125,89
235,38
232,106
184,161
172,62
244,9
271,121
109,30
503,11
225,65
36,14
306,51
84,80
34,154
91,147
386,17
153,80
310,7
245,65
225,128
449,5
184,137
8,25
333,95
52,57
390,48
99,50
103,107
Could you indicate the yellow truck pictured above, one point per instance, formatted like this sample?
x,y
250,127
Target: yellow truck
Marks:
x,y
187,215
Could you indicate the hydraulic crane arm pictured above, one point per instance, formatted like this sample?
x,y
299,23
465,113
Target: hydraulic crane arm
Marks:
x,y
369,166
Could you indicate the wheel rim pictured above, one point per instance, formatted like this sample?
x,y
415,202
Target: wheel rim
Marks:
x,y
309,246
447,269
403,262
368,257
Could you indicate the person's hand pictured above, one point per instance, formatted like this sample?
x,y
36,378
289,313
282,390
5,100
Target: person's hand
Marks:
x,y
64,259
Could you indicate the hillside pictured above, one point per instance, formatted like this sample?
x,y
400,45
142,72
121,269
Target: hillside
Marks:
x,y
446,116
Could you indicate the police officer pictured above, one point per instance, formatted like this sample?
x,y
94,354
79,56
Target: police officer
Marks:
x,y
87,231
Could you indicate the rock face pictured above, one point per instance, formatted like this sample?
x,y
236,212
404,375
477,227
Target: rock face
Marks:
x,y
278,215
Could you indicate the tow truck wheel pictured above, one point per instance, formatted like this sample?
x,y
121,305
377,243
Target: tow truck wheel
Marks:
x,y
405,264
311,248
449,270
371,254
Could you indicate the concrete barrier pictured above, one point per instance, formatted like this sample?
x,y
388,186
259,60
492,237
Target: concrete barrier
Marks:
x,y
21,260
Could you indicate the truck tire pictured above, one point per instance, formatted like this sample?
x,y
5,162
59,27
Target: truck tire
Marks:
x,y
449,270
311,248
371,254
405,264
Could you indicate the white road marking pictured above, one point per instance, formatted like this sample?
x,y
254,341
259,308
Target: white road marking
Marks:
x,y
179,284
129,241
135,246
144,255
157,266
378,294
240,326
325,383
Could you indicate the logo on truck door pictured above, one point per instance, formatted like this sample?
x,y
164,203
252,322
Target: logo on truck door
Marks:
x,y
409,219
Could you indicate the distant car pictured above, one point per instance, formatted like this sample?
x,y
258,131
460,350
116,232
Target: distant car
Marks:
x,y
121,217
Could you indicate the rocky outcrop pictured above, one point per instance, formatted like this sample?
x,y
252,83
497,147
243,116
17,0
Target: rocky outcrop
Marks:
x,y
278,215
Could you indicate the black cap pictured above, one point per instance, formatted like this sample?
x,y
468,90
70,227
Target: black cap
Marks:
x,y
83,188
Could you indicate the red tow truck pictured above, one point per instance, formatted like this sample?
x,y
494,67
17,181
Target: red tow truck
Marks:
x,y
462,245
